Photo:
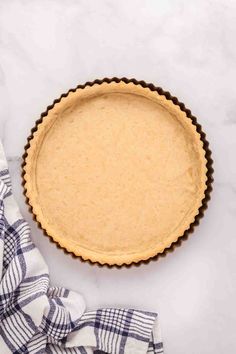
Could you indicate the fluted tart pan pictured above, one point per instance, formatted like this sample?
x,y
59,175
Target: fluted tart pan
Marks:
x,y
117,172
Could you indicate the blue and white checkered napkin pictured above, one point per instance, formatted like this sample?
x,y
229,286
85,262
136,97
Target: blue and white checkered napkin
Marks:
x,y
36,318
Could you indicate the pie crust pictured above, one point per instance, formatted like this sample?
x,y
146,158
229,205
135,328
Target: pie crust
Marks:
x,y
115,172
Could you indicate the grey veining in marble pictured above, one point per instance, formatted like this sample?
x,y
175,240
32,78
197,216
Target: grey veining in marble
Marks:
x,y
188,48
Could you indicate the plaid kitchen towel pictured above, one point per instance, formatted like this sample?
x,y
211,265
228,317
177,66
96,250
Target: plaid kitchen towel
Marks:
x,y
36,318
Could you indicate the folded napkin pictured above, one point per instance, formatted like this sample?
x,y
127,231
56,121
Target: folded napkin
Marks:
x,y
37,319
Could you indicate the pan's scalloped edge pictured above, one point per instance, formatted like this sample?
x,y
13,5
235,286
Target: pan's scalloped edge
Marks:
x,y
208,157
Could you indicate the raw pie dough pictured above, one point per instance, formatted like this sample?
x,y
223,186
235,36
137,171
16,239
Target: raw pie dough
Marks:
x,y
115,173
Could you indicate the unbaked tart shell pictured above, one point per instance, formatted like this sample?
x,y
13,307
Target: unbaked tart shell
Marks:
x,y
117,171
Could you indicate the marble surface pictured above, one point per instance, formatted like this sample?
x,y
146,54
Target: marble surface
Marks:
x,y
188,48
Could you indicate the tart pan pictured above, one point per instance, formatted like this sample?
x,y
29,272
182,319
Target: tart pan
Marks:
x,y
209,178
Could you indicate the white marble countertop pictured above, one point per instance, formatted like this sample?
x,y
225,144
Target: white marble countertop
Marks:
x,y
188,48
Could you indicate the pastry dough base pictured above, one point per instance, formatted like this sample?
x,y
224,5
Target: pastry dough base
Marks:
x,y
115,173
